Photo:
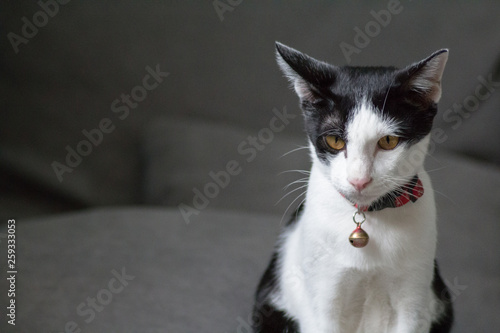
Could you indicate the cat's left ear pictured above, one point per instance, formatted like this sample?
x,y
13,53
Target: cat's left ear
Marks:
x,y
424,77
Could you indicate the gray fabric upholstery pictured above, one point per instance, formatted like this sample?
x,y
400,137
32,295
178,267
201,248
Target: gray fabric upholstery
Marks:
x,y
200,277
185,156
467,247
197,277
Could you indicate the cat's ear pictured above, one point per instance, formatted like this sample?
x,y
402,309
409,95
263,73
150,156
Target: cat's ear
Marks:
x,y
424,78
307,74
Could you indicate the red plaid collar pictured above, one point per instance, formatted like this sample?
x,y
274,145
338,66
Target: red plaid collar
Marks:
x,y
411,191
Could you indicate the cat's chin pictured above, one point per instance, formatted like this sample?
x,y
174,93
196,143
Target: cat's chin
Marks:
x,y
361,199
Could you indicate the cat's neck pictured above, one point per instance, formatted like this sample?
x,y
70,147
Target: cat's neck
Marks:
x,y
395,233
324,197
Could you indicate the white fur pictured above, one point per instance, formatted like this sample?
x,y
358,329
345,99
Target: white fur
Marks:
x,y
329,285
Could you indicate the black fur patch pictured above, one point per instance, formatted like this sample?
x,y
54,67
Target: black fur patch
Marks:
x,y
267,318
330,95
443,325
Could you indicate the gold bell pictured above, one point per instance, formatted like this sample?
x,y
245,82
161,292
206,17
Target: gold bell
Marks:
x,y
359,237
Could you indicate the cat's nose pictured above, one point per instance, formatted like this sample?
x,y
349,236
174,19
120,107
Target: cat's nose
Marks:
x,y
360,183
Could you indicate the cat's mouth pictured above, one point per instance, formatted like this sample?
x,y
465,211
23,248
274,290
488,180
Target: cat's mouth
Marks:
x,y
366,197
362,200
379,197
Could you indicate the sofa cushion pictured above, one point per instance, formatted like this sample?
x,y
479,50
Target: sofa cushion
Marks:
x,y
147,270
138,270
189,162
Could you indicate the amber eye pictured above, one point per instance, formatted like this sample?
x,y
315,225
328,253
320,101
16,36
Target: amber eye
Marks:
x,y
335,142
388,142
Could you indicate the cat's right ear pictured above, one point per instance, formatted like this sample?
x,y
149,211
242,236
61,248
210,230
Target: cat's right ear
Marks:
x,y
307,75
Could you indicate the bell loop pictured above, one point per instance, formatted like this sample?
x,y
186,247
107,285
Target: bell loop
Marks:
x,y
360,214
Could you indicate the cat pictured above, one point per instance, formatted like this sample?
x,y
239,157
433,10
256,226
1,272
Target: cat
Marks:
x,y
359,255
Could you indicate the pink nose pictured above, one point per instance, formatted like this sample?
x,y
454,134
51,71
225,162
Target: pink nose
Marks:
x,y
360,183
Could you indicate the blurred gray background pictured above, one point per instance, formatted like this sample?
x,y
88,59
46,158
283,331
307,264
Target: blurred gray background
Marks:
x,y
221,72
67,69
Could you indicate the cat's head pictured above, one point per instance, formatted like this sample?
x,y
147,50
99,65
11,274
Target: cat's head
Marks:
x,y
368,127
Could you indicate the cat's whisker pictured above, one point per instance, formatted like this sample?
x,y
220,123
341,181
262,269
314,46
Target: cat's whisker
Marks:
x,y
407,189
300,204
292,191
301,180
392,183
386,95
294,150
399,181
290,205
437,169
304,172
428,155
393,177
397,189
447,197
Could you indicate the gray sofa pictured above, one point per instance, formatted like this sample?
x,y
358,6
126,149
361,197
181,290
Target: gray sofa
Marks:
x,y
128,155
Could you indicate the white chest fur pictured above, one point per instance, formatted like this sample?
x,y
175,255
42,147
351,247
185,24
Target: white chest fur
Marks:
x,y
330,286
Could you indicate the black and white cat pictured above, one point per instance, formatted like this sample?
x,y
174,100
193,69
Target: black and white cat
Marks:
x,y
368,130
